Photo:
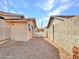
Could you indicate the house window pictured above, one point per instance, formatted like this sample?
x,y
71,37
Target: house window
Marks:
x,y
29,27
32,27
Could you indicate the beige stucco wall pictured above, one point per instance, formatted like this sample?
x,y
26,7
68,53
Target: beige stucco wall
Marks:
x,y
5,31
1,29
20,31
32,24
65,33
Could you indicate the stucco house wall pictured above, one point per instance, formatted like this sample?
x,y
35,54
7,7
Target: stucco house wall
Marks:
x,y
16,27
5,30
21,31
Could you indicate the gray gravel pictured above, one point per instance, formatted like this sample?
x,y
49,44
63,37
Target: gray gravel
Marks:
x,y
36,48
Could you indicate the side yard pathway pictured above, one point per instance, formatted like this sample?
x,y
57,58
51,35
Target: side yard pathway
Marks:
x,y
36,48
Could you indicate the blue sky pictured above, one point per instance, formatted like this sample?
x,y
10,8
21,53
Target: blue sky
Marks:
x,y
40,9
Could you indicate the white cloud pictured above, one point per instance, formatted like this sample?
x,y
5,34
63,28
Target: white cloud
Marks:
x,y
65,1
3,7
45,21
12,11
42,22
5,2
47,5
22,3
77,4
1,4
10,2
16,12
60,9
38,21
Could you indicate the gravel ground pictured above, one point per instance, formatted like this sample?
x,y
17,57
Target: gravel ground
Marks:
x,y
36,48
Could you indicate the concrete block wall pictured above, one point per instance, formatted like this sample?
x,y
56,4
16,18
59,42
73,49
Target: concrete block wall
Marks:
x,y
45,33
66,33
50,33
62,35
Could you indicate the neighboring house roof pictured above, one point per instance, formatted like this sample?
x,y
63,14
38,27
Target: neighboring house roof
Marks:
x,y
22,20
10,17
67,17
6,15
1,17
61,18
32,19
